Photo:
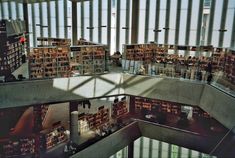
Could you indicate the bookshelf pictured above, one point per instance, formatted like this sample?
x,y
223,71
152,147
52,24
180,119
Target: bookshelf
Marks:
x,y
82,41
229,68
49,62
92,58
197,112
48,41
93,121
54,136
163,106
11,48
119,108
19,147
218,59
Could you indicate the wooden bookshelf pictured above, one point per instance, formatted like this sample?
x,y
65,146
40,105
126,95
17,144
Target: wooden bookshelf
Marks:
x,y
49,62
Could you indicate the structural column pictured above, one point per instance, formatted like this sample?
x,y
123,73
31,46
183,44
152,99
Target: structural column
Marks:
x,y
74,127
232,44
167,22
74,22
211,22
118,24
156,32
177,23
131,150
26,19
146,30
109,24
135,21
222,23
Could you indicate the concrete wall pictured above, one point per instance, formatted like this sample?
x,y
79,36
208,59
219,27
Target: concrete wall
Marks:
x,y
175,90
220,105
111,144
59,90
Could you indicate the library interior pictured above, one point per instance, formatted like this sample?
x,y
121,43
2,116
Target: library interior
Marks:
x,y
117,78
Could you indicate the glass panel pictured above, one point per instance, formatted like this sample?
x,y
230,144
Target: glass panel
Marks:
x,y
30,25
95,20
173,10
61,18
162,19
5,10
194,20
229,23
152,12
69,18
13,10
78,19
21,16
146,147
142,12
216,26
37,19
184,152
52,18
104,20
164,149
44,19
122,24
86,20
137,148
183,20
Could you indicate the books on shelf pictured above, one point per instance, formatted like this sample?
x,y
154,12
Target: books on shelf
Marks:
x,y
49,41
49,62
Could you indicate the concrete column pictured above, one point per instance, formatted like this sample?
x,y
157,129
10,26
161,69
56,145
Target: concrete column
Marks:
x,y
222,23
74,127
146,31
118,24
211,22
156,33
135,21
26,19
131,150
177,23
74,22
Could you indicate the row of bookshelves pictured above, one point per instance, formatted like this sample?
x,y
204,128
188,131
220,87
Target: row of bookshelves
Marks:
x,y
155,105
44,41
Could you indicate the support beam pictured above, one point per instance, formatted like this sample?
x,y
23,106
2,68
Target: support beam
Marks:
x,y
188,24
9,10
34,26
74,22
91,20
199,22
127,21
26,19
232,44
141,147
179,152
167,21
222,22
135,21
57,18
169,150
146,30
99,21
49,17
177,22
156,33
159,149
150,148
131,150
211,22
109,24
74,136
40,19
65,19
118,24
82,18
